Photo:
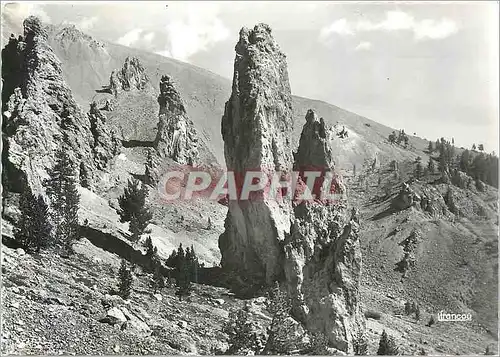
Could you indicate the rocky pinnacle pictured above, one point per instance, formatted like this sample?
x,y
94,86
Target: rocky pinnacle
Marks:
x,y
256,128
312,246
176,137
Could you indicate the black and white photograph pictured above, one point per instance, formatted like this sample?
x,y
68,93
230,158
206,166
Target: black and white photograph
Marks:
x,y
249,178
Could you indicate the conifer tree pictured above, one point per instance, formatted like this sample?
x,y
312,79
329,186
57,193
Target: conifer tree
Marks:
x,y
360,345
84,176
33,230
418,168
387,346
158,281
280,333
240,332
64,197
183,280
430,166
125,280
132,209
430,148
473,146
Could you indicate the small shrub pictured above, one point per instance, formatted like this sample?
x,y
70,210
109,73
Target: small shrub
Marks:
x,y
125,281
387,346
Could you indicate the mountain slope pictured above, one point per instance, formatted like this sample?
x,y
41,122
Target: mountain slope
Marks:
x,y
205,94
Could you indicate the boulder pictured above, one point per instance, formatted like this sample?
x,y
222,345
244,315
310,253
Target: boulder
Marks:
x,y
114,316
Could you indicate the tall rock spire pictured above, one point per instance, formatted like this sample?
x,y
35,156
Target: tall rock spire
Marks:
x,y
176,136
40,114
322,254
311,246
257,128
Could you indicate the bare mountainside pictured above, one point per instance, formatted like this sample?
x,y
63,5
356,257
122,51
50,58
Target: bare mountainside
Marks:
x,y
88,63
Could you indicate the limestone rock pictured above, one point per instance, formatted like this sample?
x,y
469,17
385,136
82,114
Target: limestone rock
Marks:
x,y
106,144
176,137
322,254
132,76
114,316
40,114
256,128
314,151
406,198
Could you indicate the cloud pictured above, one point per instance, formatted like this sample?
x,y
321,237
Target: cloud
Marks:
x,y
435,30
87,23
131,37
340,27
363,46
194,27
84,24
395,21
17,12
149,37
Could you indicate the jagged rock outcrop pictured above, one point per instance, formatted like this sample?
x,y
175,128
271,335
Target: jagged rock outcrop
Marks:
x,y
131,76
257,128
40,115
106,144
176,137
406,198
151,173
323,255
314,151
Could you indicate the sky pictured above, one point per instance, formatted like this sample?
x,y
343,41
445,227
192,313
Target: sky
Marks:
x,y
430,68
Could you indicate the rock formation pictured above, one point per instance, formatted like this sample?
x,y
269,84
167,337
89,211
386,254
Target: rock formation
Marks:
x,y
322,254
314,150
176,137
131,76
312,248
40,114
106,144
256,128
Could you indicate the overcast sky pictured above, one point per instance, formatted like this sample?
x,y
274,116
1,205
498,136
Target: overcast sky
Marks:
x,y
429,68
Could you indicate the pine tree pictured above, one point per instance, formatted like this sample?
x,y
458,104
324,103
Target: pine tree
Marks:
x,y
430,148
150,174
64,197
387,346
183,280
84,176
418,168
318,344
33,230
132,209
172,259
125,280
157,282
280,333
473,146
240,332
442,163
360,345
430,166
